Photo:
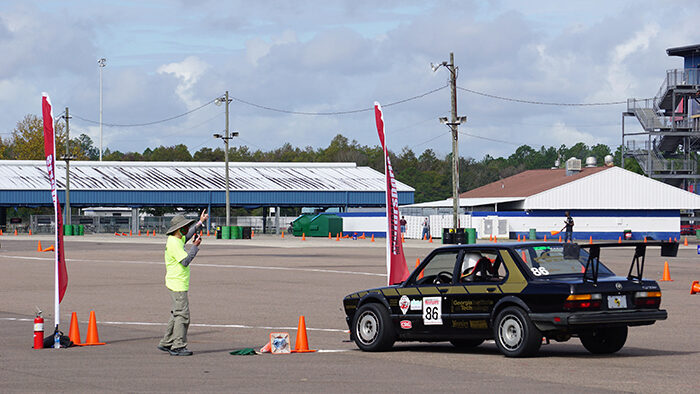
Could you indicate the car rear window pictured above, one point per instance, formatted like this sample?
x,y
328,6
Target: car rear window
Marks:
x,y
550,260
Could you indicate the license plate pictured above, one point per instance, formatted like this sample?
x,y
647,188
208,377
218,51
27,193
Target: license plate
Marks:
x,y
617,302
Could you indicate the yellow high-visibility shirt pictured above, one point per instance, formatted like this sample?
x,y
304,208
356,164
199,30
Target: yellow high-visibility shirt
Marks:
x,y
177,277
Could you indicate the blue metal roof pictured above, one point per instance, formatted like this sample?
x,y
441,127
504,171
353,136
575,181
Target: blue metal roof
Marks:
x,y
149,184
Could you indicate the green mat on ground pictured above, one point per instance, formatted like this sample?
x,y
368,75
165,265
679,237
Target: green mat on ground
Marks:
x,y
248,351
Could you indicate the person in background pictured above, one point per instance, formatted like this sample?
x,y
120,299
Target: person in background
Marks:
x,y
569,226
402,222
177,280
426,229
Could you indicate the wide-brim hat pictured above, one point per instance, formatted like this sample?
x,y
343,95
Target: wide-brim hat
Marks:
x,y
178,222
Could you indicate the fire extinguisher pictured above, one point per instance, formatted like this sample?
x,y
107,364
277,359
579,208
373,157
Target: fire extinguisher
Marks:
x,y
38,330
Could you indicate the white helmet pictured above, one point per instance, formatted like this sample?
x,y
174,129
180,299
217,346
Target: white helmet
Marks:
x,y
470,260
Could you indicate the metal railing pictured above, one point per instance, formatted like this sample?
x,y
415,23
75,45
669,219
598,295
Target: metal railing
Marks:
x,y
122,224
659,164
675,78
645,110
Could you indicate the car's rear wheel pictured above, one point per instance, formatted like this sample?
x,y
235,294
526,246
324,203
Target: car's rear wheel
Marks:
x,y
604,340
372,328
515,334
466,344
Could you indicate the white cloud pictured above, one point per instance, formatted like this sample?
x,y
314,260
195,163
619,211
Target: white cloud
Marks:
x,y
188,72
559,133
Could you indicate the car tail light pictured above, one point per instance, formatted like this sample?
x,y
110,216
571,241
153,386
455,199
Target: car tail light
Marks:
x,y
647,299
583,301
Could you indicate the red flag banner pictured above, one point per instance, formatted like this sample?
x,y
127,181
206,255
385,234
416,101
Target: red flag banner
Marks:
x,y
50,150
397,271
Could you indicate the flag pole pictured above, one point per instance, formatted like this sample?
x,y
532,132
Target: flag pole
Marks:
x,y
388,213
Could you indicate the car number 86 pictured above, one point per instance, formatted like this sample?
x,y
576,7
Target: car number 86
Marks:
x,y
539,271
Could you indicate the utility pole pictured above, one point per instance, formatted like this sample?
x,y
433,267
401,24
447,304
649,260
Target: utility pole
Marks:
x,y
101,63
453,123
67,158
228,199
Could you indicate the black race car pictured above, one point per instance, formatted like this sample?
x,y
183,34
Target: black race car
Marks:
x,y
514,293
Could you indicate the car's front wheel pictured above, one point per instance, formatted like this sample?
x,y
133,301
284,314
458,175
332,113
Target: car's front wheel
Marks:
x,y
515,334
604,340
372,328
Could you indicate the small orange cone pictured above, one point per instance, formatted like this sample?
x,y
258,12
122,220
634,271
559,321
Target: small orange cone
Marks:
x,y
49,249
518,237
15,231
267,348
372,238
117,234
431,239
669,239
667,273
403,241
363,236
130,233
685,241
154,232
329,235
695,287
337,236
560,238
303,236
139,232
619,240
124,235
252,233
590,239
74,333
30,231
92,337
0,231
645,239
282,234
490,238
545,238
38,247
208,234
495,239
301,345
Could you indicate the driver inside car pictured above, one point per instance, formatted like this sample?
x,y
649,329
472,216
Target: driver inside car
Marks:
x,y
475,268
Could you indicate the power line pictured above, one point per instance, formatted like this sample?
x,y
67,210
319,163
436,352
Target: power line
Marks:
x,y
147,123
354,111
493,96
490,139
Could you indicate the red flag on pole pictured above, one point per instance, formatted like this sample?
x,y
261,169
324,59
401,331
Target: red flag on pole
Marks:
x,y
397,270
61,275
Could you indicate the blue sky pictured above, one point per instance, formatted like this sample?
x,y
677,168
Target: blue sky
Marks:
x,y
168,57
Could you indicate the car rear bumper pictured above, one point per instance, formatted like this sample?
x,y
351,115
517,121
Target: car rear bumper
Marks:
x,y
559,320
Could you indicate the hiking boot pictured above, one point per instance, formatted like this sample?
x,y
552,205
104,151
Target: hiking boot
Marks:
x,y
183,351
164,348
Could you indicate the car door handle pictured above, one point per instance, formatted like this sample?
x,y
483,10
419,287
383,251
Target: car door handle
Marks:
x,y
490,289
443,290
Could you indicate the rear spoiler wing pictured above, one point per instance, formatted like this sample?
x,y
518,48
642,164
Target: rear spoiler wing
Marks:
x,y
590,274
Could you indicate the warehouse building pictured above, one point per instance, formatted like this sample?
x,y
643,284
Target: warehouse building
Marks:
x,y
605,202
195,185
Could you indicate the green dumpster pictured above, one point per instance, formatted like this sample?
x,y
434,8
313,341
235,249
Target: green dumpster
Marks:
x,y
322,224
471,235
236,232
81,229
697,233
225,232
301,225
67,229
533,234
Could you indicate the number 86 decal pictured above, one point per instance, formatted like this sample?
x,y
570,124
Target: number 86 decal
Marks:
x,y
539,271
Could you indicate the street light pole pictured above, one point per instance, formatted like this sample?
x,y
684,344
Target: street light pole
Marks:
x,y
453,123
101,63
67,158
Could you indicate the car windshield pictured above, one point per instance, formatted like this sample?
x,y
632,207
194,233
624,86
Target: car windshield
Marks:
x,y
548,260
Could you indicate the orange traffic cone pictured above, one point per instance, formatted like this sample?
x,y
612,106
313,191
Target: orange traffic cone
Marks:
x,y
139,232
38,247
545,238
431,239
669,239
49,249
403,241
619,240
154,232
0,231
560,238
329,235
74,333
282,234
303,236
252,233
518,237
267,348
685,241
695,287
372,238
124,234
337,236
209,234
92,337
645,239
667,274
130,234
363,236
30,231
301,345
15,231
490,238
590,239
495,239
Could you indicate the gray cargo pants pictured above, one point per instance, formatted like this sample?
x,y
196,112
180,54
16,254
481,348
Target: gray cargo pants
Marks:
x,y
176,333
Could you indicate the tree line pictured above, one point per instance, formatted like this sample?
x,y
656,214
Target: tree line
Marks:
x,y
427,172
